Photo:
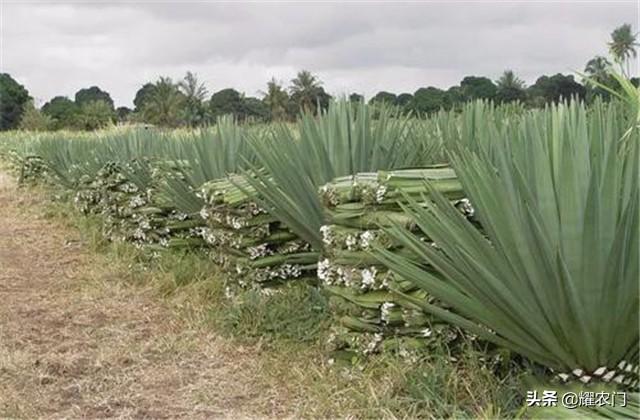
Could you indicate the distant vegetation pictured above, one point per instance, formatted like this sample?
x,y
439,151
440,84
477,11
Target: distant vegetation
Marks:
x,y
187,102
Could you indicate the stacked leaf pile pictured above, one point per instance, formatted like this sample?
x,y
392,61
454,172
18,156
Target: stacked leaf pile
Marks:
x,y
128,198
372,313
252,246
31,168
26,165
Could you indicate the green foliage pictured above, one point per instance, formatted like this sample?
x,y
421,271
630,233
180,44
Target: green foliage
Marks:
x,y
231,102
94,115
226,102
455,98
344,140
254,109
553,89
142,97
89,115
474,87
291,312
623,46
598,71
428,100
162,103
356,97
63,111
13,99
307,92
210,154
194,112
510,88
556,193
92,94
385,98
464,388
33,119
123,113
629,94
276,99
183,268
404,99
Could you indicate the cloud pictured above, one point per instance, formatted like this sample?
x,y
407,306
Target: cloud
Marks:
x,y
58,48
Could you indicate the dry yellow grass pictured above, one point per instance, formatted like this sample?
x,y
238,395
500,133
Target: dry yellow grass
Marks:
x,y
77,342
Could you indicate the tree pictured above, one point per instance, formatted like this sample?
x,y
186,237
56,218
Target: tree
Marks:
x,y
356,97
454,98
226,101
474,87
63,111
142,96
231,102
163,103
307,92
94,93
428,100
384,97
253,108
195,93
277,100
555,89
13,99
598,70
322,99
623,46
123,113
34,120
404,99
510,88
95,114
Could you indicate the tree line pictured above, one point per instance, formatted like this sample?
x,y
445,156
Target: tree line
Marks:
x,y
187,102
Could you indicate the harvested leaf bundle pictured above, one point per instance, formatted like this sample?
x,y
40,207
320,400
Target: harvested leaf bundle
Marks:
x,y
126,196
367,298
252,246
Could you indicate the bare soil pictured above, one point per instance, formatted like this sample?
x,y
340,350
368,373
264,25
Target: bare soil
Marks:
x,y
77,343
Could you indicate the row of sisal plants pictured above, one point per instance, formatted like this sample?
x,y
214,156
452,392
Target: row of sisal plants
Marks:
x,y
540,259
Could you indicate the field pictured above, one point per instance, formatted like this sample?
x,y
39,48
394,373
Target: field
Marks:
x,y
361,263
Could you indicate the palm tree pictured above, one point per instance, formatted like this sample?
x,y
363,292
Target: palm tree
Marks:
x,y
598,74
191,87
510,87
194,95
277,99
510,80
305,90
164,104
623,46
598,68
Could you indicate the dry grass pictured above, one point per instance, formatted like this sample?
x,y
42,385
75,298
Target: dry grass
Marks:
x,y
77,341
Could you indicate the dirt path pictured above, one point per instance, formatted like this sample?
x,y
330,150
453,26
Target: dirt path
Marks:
x,y
75,343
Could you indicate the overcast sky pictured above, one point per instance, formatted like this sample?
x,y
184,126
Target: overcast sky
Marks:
x,y
56,48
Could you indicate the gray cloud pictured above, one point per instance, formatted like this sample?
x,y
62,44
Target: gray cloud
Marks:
x,y
58,48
